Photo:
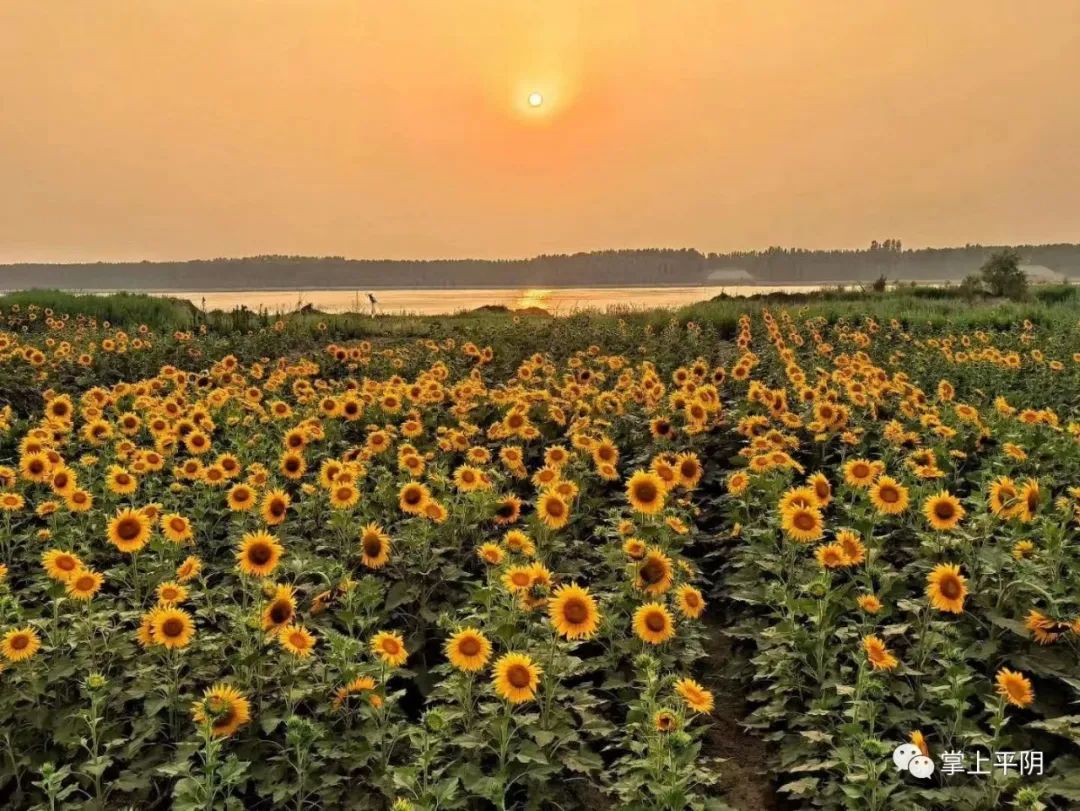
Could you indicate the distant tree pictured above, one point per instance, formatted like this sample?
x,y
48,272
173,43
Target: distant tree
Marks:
x,y
880,284
1002,277
971,287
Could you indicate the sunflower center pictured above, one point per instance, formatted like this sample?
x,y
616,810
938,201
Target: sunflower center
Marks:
x,y
259,554
655,622
176,525
372,546
944,510
889,495
645,492
19,642
950,588
128,529
652,571
469,646
66,563
84,583
555,508
172,627
518,676
280,612
575,611
391,646
805,521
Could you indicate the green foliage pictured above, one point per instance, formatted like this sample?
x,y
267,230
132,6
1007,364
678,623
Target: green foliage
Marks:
x,y
1002,277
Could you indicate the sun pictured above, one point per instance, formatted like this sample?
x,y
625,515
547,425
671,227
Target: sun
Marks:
x,y
535,99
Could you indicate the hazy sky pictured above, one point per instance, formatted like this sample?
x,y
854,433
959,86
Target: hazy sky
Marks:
x,y
399,128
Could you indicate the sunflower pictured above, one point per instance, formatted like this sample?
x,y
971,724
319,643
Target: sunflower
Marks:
x,y
84,584
516,677
62,480
435,511
517,541
19,644
573,612
877,654
859,473
852,546
389,647
259,554
1014,687
241,498
189,569
822,488
661,428
170,593
120,481
1023,549
60,565
689,468
491,554
10,502
413,498
223,708
553,510
802,524
653,623
869,603
696,697
737,482
831,556
361,684
1045,630
468,650
689,600
646,492
129,530
665,721
78,501
172,627
1003,499
654,573
35,467
297,640
176,528
292,465
374,546
344,495
889,496
275,505
943,510
1029,500
798,497
280,610
518,579
946,589
507,511
468,479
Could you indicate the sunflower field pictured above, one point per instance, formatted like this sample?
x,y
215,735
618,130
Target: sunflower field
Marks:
x,y
603,561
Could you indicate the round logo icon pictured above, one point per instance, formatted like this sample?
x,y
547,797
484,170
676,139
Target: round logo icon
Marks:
x,y
921,766
904,754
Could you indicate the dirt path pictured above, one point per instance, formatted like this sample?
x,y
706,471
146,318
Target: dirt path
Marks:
x,y
747,784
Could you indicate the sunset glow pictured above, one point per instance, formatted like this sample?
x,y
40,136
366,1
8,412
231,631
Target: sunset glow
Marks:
x,y
327,128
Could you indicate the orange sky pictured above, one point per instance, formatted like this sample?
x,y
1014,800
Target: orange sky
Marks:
x,y
160,129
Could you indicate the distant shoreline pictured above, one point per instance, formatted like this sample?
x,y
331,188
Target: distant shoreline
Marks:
x,y
523,286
